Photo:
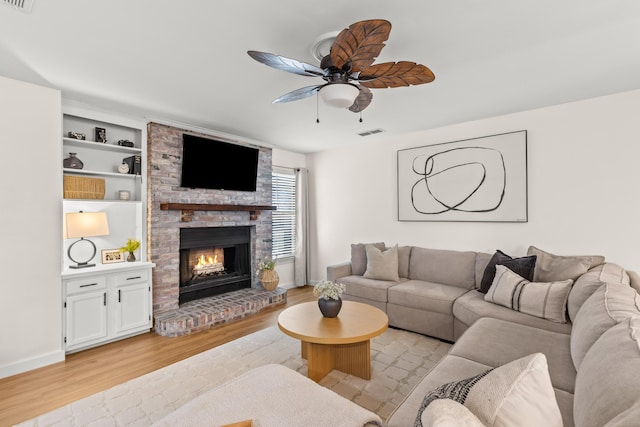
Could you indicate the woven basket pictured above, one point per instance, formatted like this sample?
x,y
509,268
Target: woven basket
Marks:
x,y
80,187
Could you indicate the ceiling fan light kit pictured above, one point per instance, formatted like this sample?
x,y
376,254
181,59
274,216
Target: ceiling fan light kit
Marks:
x,y
348,69
339,95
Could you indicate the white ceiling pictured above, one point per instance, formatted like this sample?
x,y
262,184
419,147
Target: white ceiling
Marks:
x,y
186,60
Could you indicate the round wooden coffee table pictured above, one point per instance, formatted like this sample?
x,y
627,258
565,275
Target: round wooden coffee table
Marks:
x,y
341,342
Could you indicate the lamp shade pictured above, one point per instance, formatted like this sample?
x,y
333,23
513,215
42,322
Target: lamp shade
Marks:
x,y
340,95
86,224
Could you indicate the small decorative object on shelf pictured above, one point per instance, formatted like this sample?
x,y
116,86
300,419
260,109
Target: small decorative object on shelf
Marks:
x,y
125,143
268,275
124,194
123,168
101,135
76,135
131,246
329,300
72,162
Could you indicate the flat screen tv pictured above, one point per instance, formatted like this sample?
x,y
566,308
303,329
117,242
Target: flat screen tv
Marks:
x,y
213,164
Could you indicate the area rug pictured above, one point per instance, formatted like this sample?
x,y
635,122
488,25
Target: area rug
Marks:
x,y
399,360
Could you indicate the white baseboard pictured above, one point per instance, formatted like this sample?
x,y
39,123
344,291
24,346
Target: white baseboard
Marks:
x,y
30,364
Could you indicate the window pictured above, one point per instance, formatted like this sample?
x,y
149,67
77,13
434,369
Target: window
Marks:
x,y
283,220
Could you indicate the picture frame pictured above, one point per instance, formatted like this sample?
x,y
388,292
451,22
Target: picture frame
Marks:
x,y
473,180
101,135
111,256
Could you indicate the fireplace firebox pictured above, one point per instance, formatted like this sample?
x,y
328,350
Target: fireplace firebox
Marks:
x,y
214,260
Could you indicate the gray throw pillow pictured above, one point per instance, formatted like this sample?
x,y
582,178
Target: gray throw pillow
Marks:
x,y
382,265
550,267
359,257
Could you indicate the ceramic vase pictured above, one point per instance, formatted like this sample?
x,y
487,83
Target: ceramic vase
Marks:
x,y
131,257
330,307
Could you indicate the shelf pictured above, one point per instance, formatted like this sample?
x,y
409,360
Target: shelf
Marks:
x,y
70,171
102,201
100,146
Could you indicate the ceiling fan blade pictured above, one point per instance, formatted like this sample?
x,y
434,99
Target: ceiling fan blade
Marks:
x,y
297,94
286,64
395,74
360,44
363,99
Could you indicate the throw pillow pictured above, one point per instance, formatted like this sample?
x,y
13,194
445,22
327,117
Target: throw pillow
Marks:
x,y
547,300
449,413
518,393
382,265
359,257
524,266
550,267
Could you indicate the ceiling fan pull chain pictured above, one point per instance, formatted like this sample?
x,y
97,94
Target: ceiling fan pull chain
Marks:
x,y
318,107
360,117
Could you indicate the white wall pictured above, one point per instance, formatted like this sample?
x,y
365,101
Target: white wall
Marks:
x,y
287,159
583,183
30,227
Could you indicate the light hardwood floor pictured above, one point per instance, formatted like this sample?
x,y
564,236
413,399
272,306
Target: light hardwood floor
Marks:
x,y
82,374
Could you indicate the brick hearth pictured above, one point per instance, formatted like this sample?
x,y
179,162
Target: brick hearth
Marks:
x,y
202,314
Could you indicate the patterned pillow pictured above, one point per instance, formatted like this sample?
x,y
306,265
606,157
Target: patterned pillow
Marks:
x,y
524,266
518,393
545,300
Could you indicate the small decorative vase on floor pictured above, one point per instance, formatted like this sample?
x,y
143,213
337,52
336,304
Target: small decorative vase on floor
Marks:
x,y
269,279
131,257
330,307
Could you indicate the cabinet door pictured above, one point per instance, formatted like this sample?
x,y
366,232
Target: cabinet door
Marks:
x,y
86,318
132,308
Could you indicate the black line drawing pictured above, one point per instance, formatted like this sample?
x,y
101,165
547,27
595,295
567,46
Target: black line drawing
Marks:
x,y
450,181
476,179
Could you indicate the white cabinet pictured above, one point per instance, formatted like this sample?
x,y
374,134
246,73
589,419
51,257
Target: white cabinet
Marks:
x,y
105,304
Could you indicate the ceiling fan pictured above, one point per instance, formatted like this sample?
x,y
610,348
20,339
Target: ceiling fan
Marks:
x,y
348,69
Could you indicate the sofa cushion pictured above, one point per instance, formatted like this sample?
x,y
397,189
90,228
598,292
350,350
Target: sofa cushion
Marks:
x,y
425,296
634,280
551,268
404,255
517,393
449,413
359,257
607,383
592,280
382,265
524,267
545,300
453,268
609,305
496,342
370,289
482,260
471,306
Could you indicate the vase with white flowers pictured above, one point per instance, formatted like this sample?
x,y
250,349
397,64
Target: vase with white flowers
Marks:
x,y
267,274
329,297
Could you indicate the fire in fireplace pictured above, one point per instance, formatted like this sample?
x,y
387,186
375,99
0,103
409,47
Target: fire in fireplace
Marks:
x,y
213,260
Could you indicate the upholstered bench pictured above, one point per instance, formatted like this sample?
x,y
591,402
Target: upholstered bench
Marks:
x,y
271,395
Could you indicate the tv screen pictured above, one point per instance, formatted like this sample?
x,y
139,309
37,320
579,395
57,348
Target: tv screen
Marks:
x,y
218,165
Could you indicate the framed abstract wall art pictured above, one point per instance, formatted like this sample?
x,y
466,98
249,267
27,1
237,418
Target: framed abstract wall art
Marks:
x,y
479,179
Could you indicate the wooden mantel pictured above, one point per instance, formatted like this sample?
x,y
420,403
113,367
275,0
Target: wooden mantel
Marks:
x,y
188,208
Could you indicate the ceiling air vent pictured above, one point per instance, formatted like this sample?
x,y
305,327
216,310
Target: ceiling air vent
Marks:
x,y
23,5
370,132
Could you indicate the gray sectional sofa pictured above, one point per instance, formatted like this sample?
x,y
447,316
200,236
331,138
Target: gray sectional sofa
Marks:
x,y
591,346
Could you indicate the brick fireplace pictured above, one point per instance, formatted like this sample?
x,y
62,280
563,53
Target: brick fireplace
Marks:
x,y
165,226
